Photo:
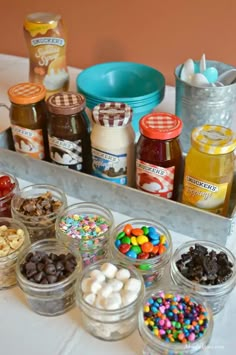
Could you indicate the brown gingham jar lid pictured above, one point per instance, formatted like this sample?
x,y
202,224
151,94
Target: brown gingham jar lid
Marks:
x,y
66,103
112,114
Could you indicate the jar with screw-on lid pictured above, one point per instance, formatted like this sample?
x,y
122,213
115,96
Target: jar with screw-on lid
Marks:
x,y
159,155
69,131
28,116
209,169
113,143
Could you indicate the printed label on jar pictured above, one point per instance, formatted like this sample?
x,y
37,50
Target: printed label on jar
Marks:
x,y
155,179
28,141
66,153
204,194
109,166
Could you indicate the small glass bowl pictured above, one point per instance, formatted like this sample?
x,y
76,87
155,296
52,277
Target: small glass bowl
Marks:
x,y
5,201
50,299
110,325
91,249
215,295
151,269
8,262
153,345
39,227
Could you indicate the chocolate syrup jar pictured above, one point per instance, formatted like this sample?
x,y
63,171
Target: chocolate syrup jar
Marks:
x,y
159,159
69,131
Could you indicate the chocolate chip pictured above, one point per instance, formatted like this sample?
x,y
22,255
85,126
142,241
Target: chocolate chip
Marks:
x,y
51,279
39,276
50,269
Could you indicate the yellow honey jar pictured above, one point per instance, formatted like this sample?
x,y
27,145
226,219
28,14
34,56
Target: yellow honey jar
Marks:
x,y
209,169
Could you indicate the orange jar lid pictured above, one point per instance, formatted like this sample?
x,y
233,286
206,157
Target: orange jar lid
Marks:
x,y
26,93
160,125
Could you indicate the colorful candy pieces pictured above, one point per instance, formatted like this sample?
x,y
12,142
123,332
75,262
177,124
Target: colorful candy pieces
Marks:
x,y
141,243
175,318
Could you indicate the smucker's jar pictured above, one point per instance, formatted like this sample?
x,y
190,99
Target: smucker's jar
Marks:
x,y
159,155
112,140
69,131
45,36
209,169
28,116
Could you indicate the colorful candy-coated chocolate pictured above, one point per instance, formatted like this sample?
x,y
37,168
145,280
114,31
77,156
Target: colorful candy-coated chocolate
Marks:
x,y
136,249
175,318
128,229
124,248
131,254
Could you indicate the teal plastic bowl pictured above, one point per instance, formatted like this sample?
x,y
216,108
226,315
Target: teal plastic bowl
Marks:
x,y
116,81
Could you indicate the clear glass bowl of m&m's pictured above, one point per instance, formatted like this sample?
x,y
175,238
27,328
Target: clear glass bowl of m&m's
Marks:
x,y
8,187
109,295
206,269
145,244
174,321
86,227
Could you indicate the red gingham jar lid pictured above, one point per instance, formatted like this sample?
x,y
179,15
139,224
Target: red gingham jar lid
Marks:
x,y
160,125
112,114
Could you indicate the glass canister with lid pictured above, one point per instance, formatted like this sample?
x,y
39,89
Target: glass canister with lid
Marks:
x,y
159,155
28,116
113,143
209,169
69,131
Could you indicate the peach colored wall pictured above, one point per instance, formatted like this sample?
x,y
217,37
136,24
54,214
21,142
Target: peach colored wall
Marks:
x,y
160,33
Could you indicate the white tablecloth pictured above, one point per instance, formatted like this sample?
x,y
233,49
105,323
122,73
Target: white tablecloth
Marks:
x,y
24,332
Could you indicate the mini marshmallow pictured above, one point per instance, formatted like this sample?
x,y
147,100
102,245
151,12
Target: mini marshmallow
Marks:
x,y
95,286
86,284
123,274
132,285
128,297
99,302
113,301
105,291
115,284
97,275
109,270
89,298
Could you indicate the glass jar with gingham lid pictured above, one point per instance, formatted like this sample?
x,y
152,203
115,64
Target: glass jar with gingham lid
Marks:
x,y
69,131
28,116
159,155
113,143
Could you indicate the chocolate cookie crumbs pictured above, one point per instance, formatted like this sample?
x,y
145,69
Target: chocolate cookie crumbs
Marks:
x,y
204,267
40,206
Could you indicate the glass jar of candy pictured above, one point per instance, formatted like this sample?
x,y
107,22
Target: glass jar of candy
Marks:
x,y
209,169
175,334
8,187
14,238
69,131
206,269
113,143
145,244
87,228
37,206
109,296
28,116
52,292
159,155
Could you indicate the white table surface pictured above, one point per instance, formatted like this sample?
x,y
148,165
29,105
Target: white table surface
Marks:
x,y
26,333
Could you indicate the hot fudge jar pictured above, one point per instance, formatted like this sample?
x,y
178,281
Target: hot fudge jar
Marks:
x,y
159,155
69,131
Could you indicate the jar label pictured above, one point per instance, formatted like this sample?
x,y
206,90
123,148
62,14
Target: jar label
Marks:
x,y
109,166
67,153
204,194
155,179
28,141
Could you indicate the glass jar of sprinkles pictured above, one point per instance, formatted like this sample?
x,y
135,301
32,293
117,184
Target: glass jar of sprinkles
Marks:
x,y
86,227
69,131
186,328
215,281
159,155
145,244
